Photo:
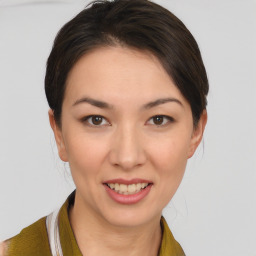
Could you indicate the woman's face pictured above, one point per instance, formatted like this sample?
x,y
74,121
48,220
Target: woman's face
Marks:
x,y
127,133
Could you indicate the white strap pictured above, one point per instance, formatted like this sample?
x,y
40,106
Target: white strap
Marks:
x,y
53,233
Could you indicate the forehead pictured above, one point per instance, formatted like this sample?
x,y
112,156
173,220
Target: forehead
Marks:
x,y
122,73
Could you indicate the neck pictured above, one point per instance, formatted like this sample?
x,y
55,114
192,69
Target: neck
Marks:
x,y
90,232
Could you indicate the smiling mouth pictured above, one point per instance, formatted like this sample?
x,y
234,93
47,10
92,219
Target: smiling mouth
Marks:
x,y
130,189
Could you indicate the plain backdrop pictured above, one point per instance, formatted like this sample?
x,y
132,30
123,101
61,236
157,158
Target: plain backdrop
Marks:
x,y
214,211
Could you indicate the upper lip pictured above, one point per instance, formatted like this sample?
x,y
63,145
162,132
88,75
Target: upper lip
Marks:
x,y
127,182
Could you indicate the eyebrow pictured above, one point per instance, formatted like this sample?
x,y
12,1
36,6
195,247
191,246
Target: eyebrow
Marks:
x,y
160,102
94,102
105,105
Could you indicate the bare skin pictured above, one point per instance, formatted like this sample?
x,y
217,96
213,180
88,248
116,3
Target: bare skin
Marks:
x,y
143,240
3,248
123,118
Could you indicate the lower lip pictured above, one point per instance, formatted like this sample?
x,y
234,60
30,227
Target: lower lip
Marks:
x,y
128,199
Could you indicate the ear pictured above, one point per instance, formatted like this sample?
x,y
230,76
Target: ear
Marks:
x,y
58,137
197,134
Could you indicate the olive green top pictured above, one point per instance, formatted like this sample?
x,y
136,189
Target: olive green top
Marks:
x,y
33,240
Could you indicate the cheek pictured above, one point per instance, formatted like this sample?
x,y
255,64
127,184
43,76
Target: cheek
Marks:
x,y
171,151
171,165
170,159
85,154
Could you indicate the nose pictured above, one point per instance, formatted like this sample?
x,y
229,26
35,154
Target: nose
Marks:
x,y
127,151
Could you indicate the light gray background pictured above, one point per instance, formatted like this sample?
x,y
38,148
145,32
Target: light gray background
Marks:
x,y
213,212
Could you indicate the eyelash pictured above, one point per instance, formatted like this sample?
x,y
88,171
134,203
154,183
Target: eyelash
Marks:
x,y
86,119
168,119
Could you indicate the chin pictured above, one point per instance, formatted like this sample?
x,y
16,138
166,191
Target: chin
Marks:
x,y
127,217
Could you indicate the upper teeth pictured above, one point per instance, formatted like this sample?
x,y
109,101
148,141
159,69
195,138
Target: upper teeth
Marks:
x,y
127,189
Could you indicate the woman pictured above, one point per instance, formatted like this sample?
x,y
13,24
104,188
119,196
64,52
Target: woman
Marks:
x,y
127,90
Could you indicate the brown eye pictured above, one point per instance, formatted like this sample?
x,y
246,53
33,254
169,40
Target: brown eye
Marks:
x,y
158,120
96,120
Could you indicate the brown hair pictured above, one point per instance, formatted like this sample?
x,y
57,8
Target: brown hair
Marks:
x,y
139,24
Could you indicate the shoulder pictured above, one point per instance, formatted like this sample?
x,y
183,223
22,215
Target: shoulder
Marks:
x,y
169,246
32,240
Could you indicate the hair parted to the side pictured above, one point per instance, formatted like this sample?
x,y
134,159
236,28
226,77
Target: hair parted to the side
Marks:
x,y
140,24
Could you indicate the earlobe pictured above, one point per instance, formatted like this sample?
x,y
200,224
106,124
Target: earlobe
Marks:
x,y
197,134
58,137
